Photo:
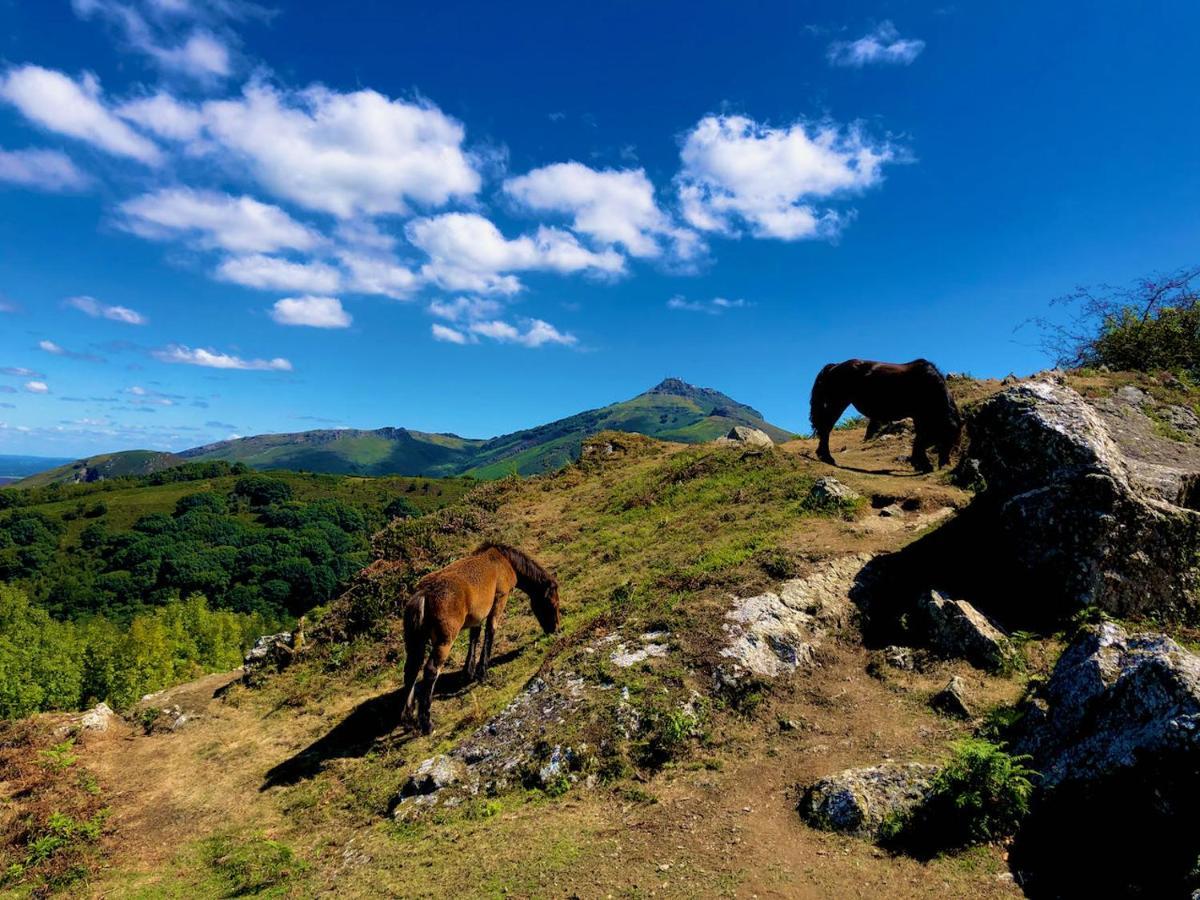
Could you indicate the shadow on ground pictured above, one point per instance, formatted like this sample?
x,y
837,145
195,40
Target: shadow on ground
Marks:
x,y
366,724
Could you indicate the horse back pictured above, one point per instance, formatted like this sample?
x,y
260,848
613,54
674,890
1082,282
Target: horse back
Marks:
x,y
464,591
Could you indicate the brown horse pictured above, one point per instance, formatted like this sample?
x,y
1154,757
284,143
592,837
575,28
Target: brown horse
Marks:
x,y
887,392
468,593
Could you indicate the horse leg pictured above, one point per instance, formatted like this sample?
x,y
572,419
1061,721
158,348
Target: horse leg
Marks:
x,y
920,461
414,657
472,646
433,667
823,420
489,632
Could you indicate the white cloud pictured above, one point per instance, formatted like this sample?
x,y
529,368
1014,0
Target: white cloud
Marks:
x,y
20,372
315,312
464,309
467,252
270,273
378,274
51,347
76,109
348,154
536,333
149,397
736,171
47,170
713,307
240,224
882,46
449,335
97,310
613,206
163,115
177,353
200,55
37,387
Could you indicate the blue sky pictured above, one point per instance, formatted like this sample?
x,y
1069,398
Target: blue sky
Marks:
x,y
228,218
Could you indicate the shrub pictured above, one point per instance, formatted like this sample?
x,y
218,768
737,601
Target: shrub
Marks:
x,y
980,795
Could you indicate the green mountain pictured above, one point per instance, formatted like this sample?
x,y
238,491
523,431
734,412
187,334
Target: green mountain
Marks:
x,y
672,410
106,465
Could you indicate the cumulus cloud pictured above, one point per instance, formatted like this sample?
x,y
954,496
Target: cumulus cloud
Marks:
x,y
465,309
178,353
163,115
467,252
536,333
374,273
241,224
448,335
881,46
613,206
97,310
74,108
199,54
270,273
736,172
713,307
348,154
46,170
37,387
315,312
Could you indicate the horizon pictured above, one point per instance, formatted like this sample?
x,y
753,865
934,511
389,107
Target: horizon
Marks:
x,y
243,218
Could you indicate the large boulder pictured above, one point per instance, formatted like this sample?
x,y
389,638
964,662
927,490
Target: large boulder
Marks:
x,y
744,435
1084,508
1115,734
859,801
955,628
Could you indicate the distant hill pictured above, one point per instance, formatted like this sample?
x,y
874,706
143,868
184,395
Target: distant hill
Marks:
x,y
672,410
14,468
106,465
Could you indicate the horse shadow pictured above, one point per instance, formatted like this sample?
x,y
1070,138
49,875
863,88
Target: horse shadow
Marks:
x,y
366,726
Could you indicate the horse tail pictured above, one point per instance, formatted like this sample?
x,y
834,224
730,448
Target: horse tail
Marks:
x,y
414,619
817,399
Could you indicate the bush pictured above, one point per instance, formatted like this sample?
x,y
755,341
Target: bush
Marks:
x,y
980,795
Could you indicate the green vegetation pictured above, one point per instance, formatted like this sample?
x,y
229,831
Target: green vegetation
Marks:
x,y
244,866
47,664
981,794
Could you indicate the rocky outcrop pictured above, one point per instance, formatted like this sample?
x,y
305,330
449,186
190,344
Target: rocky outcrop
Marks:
x,y
1081,511
955,628
774,633
744,435
859,801
1115,734
270,653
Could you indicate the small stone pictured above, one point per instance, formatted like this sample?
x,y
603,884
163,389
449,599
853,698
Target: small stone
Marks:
x,y
901,658
952,699
858,801
827,490
98,718
892,510
956,628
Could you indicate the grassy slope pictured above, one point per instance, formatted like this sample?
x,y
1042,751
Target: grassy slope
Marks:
x,y
657,539
107,465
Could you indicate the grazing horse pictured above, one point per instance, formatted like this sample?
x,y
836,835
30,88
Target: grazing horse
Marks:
x,y
468,593
887,392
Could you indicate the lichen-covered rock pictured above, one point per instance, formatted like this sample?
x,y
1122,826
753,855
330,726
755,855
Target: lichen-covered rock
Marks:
x,y
858,801
98,718
774,633
828,491
746,436
956,628
1115,734
1085,510
270,653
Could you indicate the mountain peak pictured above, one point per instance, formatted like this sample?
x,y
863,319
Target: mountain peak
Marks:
x,y
678,387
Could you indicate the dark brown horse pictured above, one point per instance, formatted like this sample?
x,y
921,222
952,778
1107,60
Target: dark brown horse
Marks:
x,y
887,392
468,593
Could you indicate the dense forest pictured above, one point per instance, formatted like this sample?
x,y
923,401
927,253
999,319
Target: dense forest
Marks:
x,y
123,586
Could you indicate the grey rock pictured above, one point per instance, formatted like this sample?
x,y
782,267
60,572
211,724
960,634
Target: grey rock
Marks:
x,y
1134,396
958,629
858,801
432,775
952,699
1114,701
270,653
901,658
1089,508
747,436
828,491
773,634
891,511
98,718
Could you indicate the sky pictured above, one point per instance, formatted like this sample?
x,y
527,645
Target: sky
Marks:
x,y
228,218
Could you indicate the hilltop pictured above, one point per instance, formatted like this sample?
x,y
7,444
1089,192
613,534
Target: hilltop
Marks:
x,y
672,410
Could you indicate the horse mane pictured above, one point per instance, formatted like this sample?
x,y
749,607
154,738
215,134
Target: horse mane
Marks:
x,y
815,400
527,568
